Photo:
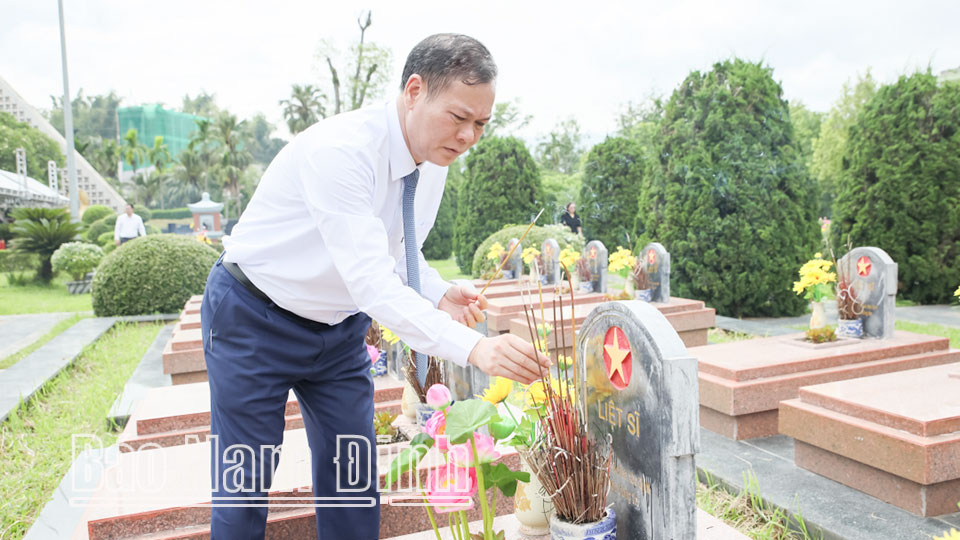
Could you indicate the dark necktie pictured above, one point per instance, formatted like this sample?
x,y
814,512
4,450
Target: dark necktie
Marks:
x,y
413,257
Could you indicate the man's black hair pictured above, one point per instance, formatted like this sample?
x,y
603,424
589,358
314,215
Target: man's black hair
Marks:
x,y
443,58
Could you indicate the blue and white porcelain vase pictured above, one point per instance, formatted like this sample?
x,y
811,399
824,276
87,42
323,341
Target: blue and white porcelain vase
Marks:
x,y
644,294
850,328
380,366
605,529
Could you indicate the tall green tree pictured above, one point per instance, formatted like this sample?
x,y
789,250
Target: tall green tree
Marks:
x,y
613,175
41,231
159,154
506,119
203,105
133,151
562,148
806,128
39,148
900,187
830,146
93,116
304,108
234,158
187,178
502,186
729,196
439,243
262,145
364,75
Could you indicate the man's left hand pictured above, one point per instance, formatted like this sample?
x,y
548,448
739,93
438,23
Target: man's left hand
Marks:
x,y
464,305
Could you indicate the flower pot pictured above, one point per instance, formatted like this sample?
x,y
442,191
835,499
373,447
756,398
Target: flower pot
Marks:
x,y
531,505
850,328
79,287
629,288
644,294
575,281
424,412
605,529
380,366
818,318
409,401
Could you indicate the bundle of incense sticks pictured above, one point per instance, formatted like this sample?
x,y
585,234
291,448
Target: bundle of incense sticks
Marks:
x,y
573,467
434,374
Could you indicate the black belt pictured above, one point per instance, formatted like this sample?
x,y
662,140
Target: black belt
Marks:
x,y
245,281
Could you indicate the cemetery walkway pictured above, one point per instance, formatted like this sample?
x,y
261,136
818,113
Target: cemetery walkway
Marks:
x,y
20,331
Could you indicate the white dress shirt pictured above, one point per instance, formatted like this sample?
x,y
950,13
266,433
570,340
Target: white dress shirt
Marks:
x,y
323,234
128,227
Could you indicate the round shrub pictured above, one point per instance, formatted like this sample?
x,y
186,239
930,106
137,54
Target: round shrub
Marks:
x,y
76,259
535,238
502,186
901,185
142,211
612,177
150,229
105,239
95,212
730,197
100,226
155,274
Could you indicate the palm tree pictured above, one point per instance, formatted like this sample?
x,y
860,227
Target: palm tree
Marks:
x,y
233,157
304,107
148,187
42,231
159,155
188,176
132,150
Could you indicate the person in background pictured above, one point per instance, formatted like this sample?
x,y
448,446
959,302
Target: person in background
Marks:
x,y
571,219
128,227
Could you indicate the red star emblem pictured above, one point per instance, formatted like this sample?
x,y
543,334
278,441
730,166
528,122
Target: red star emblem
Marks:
x,y
617,357
651,257
593,252
864,266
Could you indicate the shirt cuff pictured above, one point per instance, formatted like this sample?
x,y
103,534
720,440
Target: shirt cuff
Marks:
x,y
458,342
434,289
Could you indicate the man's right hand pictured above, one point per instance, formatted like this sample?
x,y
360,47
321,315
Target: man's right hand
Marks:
x,y
116,242
509,356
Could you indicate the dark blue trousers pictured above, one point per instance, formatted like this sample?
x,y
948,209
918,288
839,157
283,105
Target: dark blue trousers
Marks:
x,y
255,353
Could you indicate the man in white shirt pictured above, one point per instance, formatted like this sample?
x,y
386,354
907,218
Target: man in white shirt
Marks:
x,y
128,227
320,249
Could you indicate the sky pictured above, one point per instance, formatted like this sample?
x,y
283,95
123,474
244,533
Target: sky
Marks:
x,y
557,59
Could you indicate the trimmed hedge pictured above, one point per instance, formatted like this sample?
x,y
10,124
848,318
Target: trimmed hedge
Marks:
x,y
612,178
731,198
142,211
95,212
155,274
100,226
172,213
535,238
502,186
900,189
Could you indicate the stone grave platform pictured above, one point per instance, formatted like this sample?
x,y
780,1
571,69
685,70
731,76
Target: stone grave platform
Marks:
x,y
165,494
500,288
894,436
689,318
183,356
743,382
500,311
177,415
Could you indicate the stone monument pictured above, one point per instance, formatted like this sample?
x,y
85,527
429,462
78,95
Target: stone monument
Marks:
x,y
597,259
641,396
656,260
550,253
872,275
513,269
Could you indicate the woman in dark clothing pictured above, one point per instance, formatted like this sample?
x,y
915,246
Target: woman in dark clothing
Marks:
x,y
571,219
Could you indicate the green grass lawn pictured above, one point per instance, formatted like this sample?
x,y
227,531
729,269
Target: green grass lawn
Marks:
x,y
931,329
35,442
448,269
36,298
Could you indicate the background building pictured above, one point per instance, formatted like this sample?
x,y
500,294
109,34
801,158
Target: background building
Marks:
x,y
153,120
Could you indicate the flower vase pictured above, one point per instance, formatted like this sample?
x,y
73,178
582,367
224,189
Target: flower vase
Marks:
x,y
850,328
605,529
629,288
409,401
531,506
424,412
575,283
818,317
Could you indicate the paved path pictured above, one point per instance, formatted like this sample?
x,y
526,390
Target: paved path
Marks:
x,y
943,315
19,331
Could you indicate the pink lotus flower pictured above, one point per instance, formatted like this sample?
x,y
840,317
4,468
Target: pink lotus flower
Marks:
x,y
438,396
374,353
462,454
435,428
451,488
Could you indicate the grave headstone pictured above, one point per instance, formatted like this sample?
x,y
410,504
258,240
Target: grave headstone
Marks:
x,y
550,253
641,396
657,262
513,268
597,258
872,275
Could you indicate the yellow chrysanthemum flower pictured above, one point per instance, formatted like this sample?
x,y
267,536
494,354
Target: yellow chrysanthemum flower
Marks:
x,y
569,257
388,336
622,259
535,394
952,535
957,292
499,389
496,250
529,254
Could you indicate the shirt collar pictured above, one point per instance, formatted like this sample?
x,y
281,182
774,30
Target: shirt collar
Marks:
x,y
401,162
